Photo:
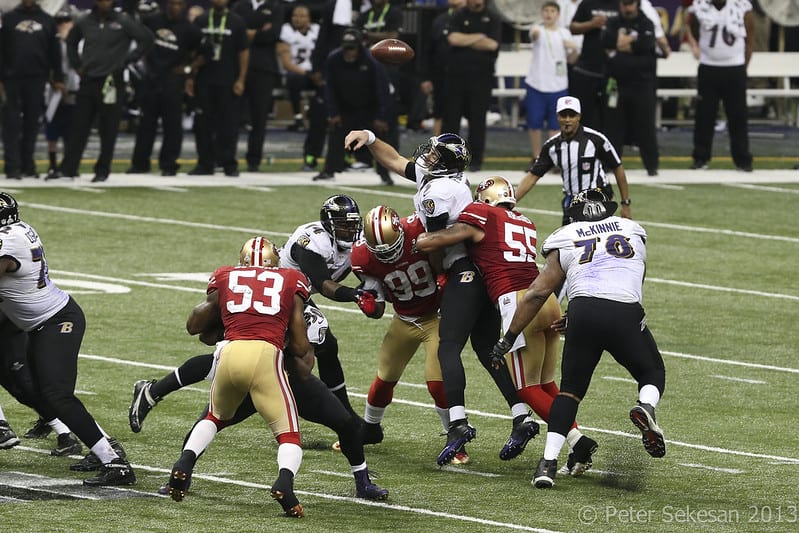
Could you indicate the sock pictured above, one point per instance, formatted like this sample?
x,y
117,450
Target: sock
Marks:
x,y
444,414
436,390
456,413
538,399
550,388
572,437
103,450
51,156
191,371
381,392
649,394
519,409
340,392
358,468
58,426
289,457
201,436
372,414
554,444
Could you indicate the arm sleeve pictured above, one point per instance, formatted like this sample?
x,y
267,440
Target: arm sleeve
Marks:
x,y
437,223
312,265
74,37
141,34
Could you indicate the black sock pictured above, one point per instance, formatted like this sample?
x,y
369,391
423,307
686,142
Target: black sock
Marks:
x,y
51,155
192,371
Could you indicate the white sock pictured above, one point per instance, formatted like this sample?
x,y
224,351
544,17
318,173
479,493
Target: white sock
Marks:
x,y
359,467
444,414
649,394
519,409
554,444
103,450
456,413
572,437
201,436
372,414
59,427
289,456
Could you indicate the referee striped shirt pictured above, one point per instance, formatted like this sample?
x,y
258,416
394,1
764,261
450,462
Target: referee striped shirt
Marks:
x,y
582,160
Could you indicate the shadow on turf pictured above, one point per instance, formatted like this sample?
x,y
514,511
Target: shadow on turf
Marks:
x,y
626,469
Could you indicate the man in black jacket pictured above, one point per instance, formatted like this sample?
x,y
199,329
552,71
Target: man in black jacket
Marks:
x,y
106,37
218,89
173,61
629,40
356,97
264,20
31,56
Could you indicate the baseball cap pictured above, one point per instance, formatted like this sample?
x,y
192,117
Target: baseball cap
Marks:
x,y
568,102
351,39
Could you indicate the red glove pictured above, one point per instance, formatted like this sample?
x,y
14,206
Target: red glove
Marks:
x,y
366,301
441,282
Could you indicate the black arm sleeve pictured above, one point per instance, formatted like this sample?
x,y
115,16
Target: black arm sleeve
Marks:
x,y
312,265
437,223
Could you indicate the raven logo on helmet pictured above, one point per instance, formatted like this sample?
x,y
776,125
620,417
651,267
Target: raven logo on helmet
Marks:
x,y
341,218
9,209
591,205
443,156
383,234
495,190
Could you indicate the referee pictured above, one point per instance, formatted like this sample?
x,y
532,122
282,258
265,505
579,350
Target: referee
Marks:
x,y
582,154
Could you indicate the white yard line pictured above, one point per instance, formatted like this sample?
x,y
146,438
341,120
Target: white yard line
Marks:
x,y
740,380
476,412
762,188
713,468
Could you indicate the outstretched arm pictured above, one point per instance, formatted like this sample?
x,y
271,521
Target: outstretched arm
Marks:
x,y
384,153
431,241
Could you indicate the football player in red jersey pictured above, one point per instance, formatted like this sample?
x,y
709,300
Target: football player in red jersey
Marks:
x,y
387,264
261,310
501,242
315,402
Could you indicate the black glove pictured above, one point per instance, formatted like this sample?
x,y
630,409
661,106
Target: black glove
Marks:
x,y
499,350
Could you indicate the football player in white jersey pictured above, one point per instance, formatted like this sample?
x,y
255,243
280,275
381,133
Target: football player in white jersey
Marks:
x,y
55,325
467,312
321,250
722,36
602,259
297,42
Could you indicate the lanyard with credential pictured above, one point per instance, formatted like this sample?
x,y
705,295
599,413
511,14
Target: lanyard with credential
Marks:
x,y
380,18
220,33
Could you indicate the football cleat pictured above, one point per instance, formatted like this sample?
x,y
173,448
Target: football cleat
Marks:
x,y
117,472
581,456
523,431
91,462
566,469
643,416
8,439
180,477
459,433
141,404
68,444
372,433
461,457
40,430
364,488
544,477
283,492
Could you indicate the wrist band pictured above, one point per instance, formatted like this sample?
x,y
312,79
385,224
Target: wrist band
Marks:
x,y
372,137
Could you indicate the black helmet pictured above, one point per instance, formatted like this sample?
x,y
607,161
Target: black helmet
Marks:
x,y
341,218
9,209
444,155
591,205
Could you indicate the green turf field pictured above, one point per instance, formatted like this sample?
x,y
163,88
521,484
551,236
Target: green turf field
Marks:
x,y
722,297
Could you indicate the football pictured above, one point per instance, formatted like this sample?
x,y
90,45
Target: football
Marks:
x,y
392,52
